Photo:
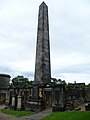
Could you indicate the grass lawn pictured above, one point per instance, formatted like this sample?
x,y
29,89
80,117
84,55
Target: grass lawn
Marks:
x,y
16,113
68,116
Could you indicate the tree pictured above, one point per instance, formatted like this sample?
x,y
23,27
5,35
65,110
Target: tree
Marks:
x,y
20,81
58,81
88,86
54,80
64,82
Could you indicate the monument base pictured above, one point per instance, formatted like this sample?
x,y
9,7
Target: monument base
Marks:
x,y
34,105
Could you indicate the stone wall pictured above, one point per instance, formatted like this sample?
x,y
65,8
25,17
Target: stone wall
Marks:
x,y
88,94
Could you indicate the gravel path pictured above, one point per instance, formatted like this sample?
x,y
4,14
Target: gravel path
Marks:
x,y
38,116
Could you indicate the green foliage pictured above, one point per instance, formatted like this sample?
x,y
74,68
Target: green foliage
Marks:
x,y
20,81
58,81
16,113
88,86
54,80
68,116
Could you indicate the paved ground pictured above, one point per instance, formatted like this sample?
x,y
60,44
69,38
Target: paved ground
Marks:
x,y
36,116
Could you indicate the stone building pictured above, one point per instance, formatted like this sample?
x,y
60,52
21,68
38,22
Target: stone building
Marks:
x,y
4,85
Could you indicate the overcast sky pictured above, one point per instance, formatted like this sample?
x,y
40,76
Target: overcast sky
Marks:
x,y
69,23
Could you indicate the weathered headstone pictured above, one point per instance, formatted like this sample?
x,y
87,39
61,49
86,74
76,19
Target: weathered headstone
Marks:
x,y
19,102
13,102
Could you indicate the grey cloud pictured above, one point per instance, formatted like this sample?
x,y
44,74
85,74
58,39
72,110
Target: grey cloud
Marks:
x,y
28,74
6,70
75,69
12,72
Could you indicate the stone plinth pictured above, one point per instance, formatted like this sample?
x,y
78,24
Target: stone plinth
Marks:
x,y
34,105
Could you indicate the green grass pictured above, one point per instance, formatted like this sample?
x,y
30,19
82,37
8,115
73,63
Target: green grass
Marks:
x,y
68,116
16,113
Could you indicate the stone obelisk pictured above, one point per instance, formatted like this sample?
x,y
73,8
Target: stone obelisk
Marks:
x,y
42,63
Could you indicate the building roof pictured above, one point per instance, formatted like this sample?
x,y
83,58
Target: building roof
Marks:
x,y
5,75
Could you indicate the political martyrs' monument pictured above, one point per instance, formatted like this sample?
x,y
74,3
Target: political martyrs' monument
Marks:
x,y
44,93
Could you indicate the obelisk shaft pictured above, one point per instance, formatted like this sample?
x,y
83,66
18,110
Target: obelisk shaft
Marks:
x,y
42,63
